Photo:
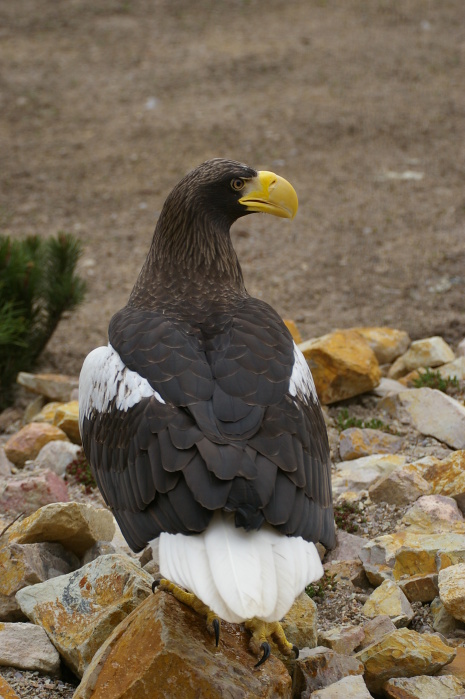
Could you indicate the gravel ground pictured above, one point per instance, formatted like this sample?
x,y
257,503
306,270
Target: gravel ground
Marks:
x,y
32,685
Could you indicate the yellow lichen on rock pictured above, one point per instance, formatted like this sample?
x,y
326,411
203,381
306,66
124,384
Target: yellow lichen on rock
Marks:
x,y
343,365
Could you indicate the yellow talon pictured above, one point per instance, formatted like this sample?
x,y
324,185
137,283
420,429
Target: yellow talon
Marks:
x,y
261,632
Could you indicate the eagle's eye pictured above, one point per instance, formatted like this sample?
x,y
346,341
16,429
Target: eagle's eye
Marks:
x,y
237,183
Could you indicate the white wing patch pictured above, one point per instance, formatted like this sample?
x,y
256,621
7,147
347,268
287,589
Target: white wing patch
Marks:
x,y
239,574
301,383
104,377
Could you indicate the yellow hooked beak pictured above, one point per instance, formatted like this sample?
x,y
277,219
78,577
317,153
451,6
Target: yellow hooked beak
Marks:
x,y
270,194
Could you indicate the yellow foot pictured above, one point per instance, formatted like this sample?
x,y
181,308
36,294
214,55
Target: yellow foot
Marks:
x,y
189,599
261,631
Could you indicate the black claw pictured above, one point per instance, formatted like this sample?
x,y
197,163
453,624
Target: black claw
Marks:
x,y
266,654
216,628
296,651
155,584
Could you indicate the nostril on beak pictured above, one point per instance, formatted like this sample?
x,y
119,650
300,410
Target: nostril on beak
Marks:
x,y
272,184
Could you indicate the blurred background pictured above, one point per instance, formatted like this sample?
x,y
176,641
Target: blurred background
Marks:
x,y
105,105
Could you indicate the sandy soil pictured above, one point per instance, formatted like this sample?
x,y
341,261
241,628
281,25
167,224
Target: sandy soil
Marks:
x,y
361,105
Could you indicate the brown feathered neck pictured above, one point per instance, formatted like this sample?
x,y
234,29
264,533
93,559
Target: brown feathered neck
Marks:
x,y
192,260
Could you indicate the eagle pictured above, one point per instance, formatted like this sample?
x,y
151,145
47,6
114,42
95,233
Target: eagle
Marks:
x,y
201,421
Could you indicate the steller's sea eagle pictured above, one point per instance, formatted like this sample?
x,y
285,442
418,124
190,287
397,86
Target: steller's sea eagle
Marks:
x,y
201,421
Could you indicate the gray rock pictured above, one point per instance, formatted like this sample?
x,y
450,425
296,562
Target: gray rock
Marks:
x,y
436,414
352,687
57,455
320,667
26,646
80,610
5,464
100,548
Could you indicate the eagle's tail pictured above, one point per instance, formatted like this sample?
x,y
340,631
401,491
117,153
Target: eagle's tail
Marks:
x,y
240,574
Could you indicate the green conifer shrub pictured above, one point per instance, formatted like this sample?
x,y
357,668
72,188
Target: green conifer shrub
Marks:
x,y
38,283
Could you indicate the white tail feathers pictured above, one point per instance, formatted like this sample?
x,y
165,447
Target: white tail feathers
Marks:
x,y
239,574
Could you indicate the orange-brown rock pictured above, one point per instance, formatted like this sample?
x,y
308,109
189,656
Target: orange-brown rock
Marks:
x,y
27,443
67,419
163,651
457,666
386,343
446,687
76,525
343,365
403,653
356,442
6,690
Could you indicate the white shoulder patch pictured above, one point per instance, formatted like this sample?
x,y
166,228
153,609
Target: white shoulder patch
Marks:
x,y
104,377
301,383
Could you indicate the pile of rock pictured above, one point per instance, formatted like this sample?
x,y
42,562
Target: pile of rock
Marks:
x,y
71,591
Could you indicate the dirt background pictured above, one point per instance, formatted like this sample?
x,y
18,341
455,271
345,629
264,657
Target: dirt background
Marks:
x,y
361,105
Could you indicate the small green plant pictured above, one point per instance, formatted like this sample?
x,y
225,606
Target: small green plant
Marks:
x,y
320,587
344,422
81,473
433,379
347,516
38,283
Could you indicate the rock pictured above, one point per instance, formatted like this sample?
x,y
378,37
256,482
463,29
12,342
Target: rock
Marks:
x,y
27,492
461,348
359,474
78,611
34,407
400,487
352,687
320,667
101,548
434,513
386,343
356,442
29,564
342,639
446,687
420,588
56,456
409,552
5,464
452,590
436,414
300,623
348,573
429,352
78,526
164,645
376,629
348,547
6,690
457,667
27,647
54,386
343,365
28,442
67,419
294,330
448,477
388,599
403,653
453,370
443,622
388,387
46,413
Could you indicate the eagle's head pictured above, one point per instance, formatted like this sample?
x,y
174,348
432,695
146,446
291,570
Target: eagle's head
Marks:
x,y
227,190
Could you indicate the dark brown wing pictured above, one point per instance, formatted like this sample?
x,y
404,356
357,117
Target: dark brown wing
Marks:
x,y
228,435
